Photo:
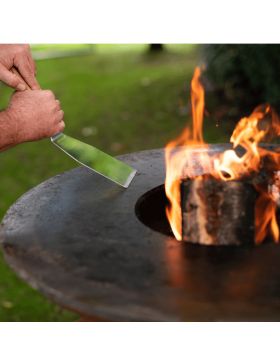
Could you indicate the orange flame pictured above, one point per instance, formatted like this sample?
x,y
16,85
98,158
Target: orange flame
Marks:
x,y
179,161
265,216
183,162
247,135
197,99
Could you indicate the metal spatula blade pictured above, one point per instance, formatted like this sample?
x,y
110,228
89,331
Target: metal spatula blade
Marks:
x,y
95,159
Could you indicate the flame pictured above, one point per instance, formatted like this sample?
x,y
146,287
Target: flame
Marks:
x,y
247,135
265,216
179,156
183,162
197,100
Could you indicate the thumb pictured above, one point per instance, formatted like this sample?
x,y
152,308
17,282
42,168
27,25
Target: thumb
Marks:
x,y
11,79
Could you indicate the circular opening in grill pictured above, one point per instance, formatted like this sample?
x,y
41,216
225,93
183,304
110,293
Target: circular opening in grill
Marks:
x,y
224,228
150,210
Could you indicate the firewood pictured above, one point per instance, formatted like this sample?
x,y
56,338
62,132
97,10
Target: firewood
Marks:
x,y
216,212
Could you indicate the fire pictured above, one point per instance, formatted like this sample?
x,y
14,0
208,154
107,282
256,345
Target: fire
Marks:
x,y
179,156
265,217
245,159
247,135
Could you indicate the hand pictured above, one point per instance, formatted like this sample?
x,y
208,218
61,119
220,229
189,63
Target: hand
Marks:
x,y
33,115
19,56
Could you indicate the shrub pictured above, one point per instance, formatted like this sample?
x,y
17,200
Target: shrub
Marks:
x,y
240,77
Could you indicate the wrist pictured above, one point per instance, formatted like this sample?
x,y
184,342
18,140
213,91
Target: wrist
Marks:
x,y
8,129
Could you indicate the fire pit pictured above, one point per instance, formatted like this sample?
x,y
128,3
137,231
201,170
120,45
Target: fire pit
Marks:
x,y
107,252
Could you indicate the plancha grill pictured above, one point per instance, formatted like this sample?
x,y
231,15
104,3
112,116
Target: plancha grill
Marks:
x,y
109,253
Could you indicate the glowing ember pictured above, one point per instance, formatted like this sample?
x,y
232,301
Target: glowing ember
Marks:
x,y
182,161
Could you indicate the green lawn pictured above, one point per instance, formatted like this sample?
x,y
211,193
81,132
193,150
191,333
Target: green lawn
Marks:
x,y
117,98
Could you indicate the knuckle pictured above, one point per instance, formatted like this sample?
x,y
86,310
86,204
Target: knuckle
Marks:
x,y
57,106
24,48
48,94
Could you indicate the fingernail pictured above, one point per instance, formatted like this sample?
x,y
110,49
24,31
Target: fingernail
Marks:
x,y
21,87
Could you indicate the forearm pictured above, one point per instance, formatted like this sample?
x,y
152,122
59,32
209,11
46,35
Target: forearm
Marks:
x,y
8,130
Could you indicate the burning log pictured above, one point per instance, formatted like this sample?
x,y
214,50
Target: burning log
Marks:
x,y
224,209
217,212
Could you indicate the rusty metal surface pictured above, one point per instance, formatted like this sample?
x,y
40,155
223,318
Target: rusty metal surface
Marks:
x,y
77,239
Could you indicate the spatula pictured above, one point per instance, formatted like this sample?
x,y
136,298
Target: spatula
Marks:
x,y
91,157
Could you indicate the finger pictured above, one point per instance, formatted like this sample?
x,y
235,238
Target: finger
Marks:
x,y
59,128
31,63
33,66
49,94
26,71
58,107
61,125
11,79
60,116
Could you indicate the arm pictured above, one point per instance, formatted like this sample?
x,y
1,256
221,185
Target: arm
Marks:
x,y
7,139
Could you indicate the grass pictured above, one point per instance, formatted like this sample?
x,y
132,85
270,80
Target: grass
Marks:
x,y
119,101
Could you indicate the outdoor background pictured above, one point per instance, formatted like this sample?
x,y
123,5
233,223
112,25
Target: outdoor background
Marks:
x,y
121,99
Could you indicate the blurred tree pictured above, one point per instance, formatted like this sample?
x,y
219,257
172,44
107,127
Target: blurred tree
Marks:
x,y
156,47
239,77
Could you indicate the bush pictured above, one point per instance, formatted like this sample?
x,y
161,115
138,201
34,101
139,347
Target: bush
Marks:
x,y
240,77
